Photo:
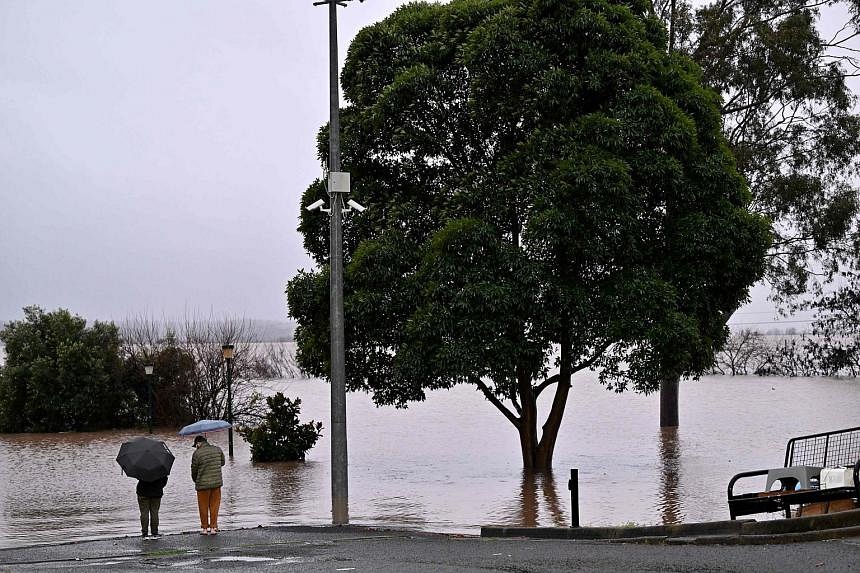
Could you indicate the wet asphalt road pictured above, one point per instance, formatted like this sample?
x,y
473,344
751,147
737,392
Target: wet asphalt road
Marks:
x,y
330,549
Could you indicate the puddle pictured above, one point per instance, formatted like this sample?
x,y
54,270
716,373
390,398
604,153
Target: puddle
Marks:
x,y
243,558
190,563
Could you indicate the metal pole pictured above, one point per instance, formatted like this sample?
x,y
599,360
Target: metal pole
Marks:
x,y
230,406
149,400
339,477
573,486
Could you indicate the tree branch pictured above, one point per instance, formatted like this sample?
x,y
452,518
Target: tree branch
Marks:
x,y
488,394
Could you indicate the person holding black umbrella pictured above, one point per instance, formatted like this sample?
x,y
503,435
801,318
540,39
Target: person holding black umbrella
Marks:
x,y
149,461
149,494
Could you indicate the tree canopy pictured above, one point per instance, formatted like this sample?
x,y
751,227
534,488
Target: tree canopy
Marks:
x,y
790,119
548,190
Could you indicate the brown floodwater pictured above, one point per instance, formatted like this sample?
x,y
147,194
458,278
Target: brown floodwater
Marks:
x,y
450,464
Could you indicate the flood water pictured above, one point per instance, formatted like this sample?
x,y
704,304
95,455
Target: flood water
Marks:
x,y
450,464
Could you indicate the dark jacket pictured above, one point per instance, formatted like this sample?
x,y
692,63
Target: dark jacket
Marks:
x,y
151,488
206,465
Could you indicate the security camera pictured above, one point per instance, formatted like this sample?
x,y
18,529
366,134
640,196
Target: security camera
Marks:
x,y
315,205
357,206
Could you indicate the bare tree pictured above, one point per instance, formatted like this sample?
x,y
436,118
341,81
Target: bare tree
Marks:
x,y
142,338
203,340
742,349
190,370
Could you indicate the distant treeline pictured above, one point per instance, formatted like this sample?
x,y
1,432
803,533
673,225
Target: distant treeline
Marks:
x,y
263,330
749,352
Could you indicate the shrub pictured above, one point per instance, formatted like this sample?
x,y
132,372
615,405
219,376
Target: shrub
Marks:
x,y
280,437
62,375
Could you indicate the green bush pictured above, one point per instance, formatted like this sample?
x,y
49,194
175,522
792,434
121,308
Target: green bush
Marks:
x,y
280,437
62,375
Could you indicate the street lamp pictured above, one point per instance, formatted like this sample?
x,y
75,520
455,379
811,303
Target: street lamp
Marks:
x,y
149,368
227,353
336,190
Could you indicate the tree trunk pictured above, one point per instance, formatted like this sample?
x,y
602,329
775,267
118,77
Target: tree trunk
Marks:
x,y
528,421
537,455
669,402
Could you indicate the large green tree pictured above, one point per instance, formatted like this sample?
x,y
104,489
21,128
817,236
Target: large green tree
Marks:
x,y
789,118
62,375
548,191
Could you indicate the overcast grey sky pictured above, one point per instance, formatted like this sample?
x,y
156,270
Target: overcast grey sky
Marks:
x,y
152,154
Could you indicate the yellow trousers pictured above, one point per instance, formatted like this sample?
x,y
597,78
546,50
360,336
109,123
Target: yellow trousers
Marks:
x,y
208,502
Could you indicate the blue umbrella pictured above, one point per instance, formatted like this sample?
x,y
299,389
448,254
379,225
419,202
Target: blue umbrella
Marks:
x,y
203,426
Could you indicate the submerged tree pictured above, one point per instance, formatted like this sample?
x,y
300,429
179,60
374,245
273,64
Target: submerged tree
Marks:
x,y
62,375
836,328
279,437
789,118
548,191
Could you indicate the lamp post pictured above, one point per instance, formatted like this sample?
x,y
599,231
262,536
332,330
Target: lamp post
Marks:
x,y
227,353
339,474
149,368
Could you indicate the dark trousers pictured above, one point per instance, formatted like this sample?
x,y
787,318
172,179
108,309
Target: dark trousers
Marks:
x,y
149,513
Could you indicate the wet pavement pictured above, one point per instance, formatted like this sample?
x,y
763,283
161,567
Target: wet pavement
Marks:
x,y
331,549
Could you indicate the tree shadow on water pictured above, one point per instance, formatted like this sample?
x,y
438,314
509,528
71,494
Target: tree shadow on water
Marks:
x,y
669,502
539,489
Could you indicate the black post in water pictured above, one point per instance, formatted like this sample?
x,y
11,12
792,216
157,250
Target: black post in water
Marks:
x,y
573,486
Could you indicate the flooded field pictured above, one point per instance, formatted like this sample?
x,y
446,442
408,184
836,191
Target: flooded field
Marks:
x,y
450,464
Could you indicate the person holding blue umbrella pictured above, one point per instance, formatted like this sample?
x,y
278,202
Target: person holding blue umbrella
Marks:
x,y
206,463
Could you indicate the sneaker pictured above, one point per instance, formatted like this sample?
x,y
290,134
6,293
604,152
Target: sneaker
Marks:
x,y
155,536
204,531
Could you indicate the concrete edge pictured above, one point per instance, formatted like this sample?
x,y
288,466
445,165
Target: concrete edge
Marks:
x,y
813,528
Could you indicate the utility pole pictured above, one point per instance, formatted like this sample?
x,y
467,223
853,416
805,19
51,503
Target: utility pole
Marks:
x,y
339,464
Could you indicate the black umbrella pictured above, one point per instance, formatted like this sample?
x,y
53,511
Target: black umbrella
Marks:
x,y
145,459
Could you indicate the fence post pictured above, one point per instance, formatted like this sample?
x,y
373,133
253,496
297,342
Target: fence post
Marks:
x,y
573,486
